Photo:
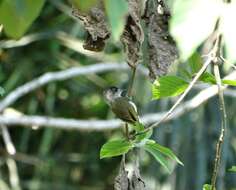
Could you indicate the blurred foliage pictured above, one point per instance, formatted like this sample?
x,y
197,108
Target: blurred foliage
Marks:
x,y
68,160
190,36
17,16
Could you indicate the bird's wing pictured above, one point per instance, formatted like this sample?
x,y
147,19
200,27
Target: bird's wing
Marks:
x,y
133,111
127,111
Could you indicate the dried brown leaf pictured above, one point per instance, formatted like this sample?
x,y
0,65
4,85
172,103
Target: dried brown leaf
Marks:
x,y
162,48
133,36
95,24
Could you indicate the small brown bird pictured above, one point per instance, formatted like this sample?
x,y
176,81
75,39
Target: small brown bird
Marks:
x,y
121,105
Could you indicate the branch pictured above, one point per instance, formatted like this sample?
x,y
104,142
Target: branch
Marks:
x,y
11,163
65,39
100,125
7,140
59,76
223,126
228,63
27,39
130,88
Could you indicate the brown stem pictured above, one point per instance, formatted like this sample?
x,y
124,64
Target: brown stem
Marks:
x,y
223,127
131,84
127,131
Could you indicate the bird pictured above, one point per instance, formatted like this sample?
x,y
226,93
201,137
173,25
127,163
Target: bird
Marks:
x,y
121,105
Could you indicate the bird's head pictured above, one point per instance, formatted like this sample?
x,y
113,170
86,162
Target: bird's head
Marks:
x,y
112,93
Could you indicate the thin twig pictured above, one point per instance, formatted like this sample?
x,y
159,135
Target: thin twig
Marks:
x,y
64,39
130,89
21,157
27,39
223,127
11,164
101,125
227,62
7,140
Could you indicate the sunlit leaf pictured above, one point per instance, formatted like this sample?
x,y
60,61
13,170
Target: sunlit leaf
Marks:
x,y
233,169
167,86
115,148
142,137
116,11
229,30
195,63
139,126
192,22
208,78
229,82
207,187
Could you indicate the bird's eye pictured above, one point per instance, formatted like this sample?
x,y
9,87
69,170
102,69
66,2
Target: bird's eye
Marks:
x,y
114,89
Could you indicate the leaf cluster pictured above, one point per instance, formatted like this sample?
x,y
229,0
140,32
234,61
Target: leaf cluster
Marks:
x,y
118,147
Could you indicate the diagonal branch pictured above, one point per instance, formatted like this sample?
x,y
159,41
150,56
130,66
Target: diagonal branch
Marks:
x,y
100,125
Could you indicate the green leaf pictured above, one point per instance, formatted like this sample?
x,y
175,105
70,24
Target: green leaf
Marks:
x,y
184,73
195,63
138,126
115,148
208,78
17,16
83,5
229,30
161,154
233,169
229,82
159,157
116,11
192,23
142,138
164,150
207,187
167,86
2,91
